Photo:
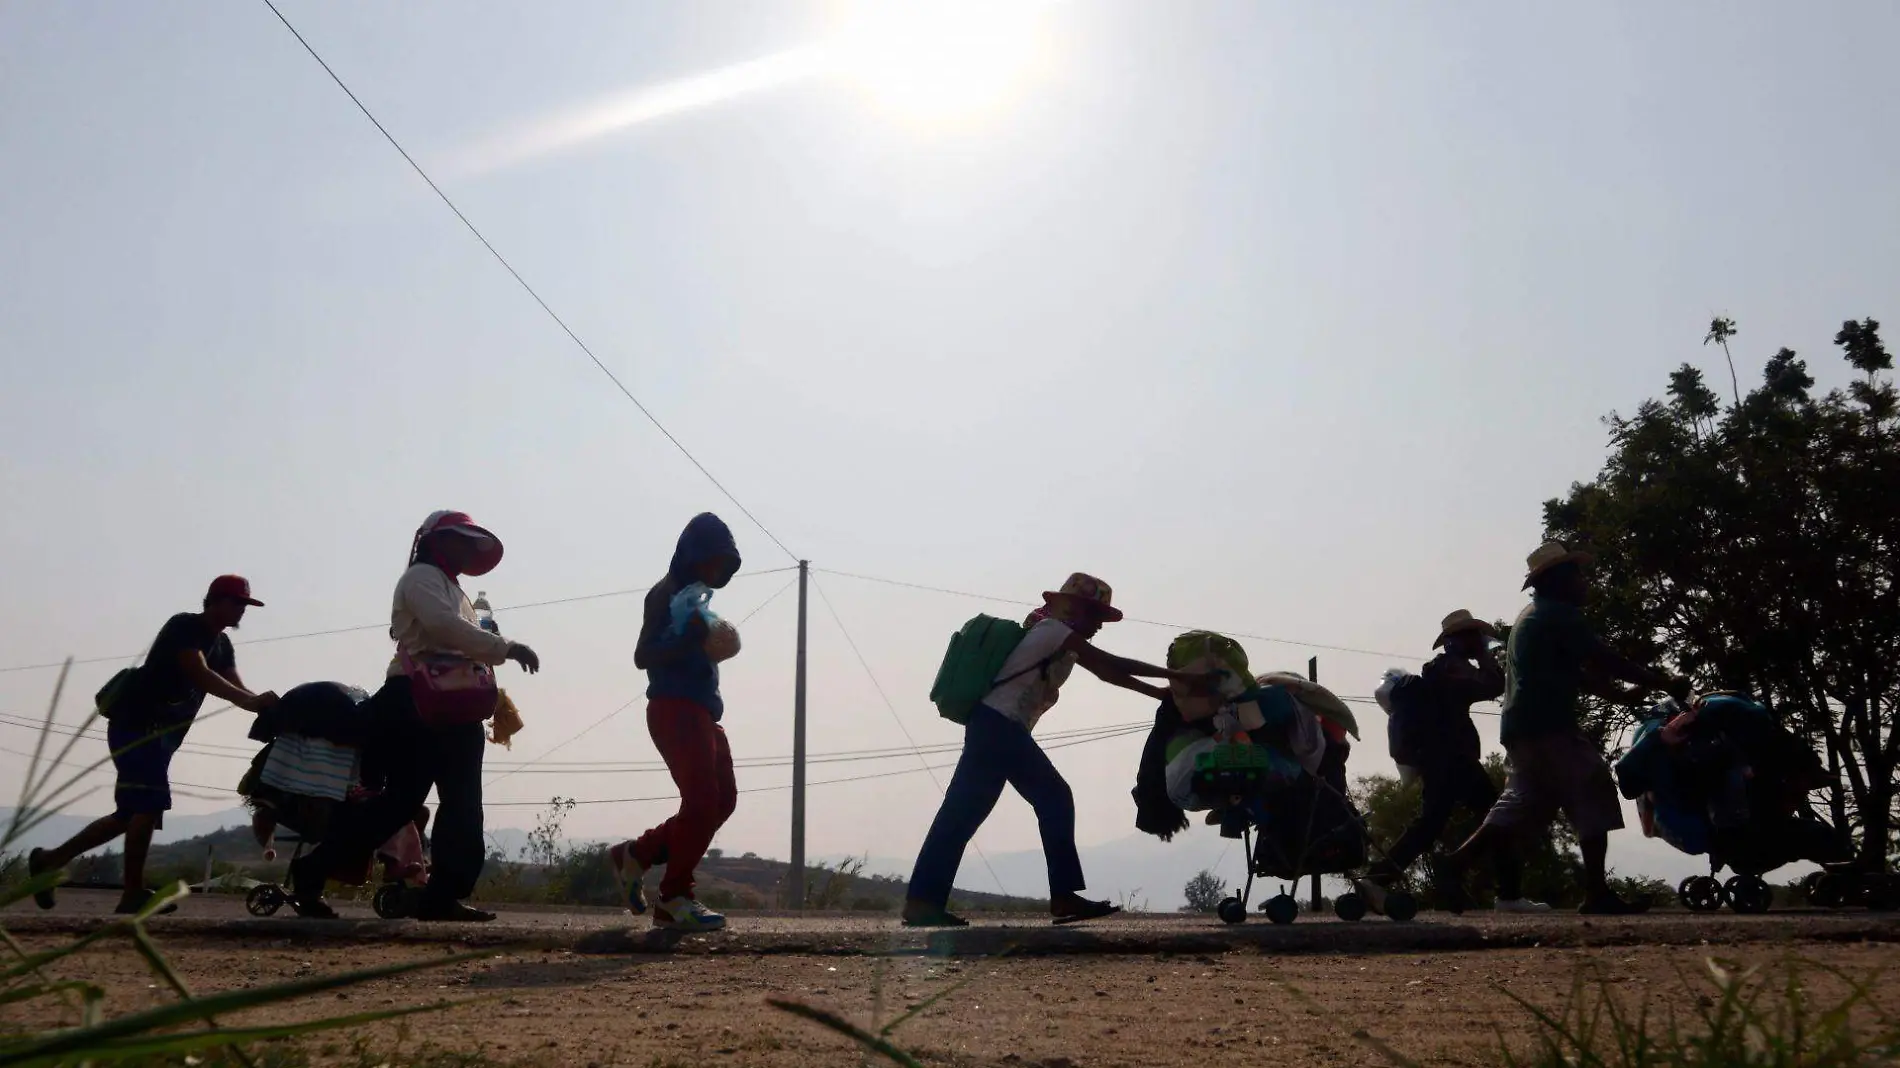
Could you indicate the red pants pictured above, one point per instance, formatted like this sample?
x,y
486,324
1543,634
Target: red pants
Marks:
x,y
695,751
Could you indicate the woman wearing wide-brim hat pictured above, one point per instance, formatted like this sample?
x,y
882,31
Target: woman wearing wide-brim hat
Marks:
x,y
431,620
999,749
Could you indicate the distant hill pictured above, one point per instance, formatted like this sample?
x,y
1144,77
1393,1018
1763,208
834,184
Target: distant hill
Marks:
x,y
579,876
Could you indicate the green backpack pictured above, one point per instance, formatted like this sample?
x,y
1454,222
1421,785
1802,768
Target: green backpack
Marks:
x,y
970,666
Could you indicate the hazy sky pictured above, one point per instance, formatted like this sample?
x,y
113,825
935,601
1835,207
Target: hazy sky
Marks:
x,y
1282,318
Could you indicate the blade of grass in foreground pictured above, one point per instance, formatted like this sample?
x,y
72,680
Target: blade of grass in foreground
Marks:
x,y
79,1040
232,1037
848,1029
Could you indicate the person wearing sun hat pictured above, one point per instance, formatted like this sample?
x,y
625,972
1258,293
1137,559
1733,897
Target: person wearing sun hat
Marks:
x,y
148,711
1553,657
429,616
999,750
1452,758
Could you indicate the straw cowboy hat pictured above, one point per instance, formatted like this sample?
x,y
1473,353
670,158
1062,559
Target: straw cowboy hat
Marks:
x,y
1552,554
1461,621
1085,591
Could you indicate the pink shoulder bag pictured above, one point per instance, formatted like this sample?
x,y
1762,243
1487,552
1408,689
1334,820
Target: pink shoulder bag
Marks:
x,y
450,690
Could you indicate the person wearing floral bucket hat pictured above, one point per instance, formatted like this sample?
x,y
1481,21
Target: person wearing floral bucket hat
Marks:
x,y
999,750
1552,658
431,617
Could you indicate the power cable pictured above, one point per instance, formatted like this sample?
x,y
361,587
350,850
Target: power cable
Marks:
x,y
383,626
631,701
1132,619
899,720
516,275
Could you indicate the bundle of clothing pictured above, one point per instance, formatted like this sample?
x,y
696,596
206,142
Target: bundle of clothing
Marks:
x,y
317,758
1297,727
1724,778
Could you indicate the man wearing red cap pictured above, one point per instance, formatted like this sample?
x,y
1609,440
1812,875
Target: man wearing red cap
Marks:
x,y
147,714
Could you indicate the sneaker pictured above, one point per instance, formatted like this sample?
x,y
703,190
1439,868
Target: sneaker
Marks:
x,y
36,865
1074,908
924,914
629,875
1613,906
1521,905
687,914
130,905
451,912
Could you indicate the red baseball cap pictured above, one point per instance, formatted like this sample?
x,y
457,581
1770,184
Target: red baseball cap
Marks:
x,y
235,587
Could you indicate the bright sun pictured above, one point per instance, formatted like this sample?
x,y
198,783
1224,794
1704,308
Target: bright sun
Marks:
x,y
942,60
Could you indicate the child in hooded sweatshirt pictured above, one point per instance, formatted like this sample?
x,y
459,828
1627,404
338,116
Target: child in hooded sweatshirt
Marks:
x,y
683,712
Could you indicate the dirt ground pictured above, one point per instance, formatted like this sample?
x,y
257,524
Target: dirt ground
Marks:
x,y
559,1008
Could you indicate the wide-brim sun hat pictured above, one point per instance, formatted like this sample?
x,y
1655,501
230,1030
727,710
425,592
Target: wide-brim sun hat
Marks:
x,y
1553,554
451,522
1459,622
1086,591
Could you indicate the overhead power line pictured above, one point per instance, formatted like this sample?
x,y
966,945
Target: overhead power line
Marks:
x,y
1132,619
360,627
530,290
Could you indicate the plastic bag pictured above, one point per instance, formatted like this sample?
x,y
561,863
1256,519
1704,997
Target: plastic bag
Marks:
x,y
689,602
1387,683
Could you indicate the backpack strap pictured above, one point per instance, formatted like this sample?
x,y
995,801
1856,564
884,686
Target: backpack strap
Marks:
x,y
1040,665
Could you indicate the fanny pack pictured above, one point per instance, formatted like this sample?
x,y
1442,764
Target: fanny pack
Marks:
x,y
450,690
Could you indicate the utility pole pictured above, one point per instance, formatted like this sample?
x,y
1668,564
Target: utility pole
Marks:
x,y
795,875
1312,675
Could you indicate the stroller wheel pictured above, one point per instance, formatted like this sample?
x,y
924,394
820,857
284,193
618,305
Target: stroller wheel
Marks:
x,y
388,901
1350,907
1701,894
1400,907
1281,909
1232,910
264,900
1749,895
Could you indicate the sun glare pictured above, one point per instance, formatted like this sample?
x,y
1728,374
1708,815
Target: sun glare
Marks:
x,y
933,60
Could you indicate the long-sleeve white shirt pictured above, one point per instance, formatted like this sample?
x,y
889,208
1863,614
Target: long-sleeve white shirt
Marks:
x,y
432,615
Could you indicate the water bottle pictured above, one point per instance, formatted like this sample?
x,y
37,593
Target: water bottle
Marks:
x,y
484,615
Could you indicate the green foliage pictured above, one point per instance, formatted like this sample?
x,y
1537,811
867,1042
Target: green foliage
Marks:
x,y
1755,548
1756,1018
1204,892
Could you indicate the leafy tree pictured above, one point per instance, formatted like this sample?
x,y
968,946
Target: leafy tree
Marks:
x,y
1204,892
1754,548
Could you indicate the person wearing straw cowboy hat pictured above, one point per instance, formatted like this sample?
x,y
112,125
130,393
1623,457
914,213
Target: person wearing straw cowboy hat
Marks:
x,y
999,749
1451,756
1554,657
431,621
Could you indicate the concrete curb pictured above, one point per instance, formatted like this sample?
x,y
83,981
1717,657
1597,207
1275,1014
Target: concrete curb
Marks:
x,y
1163,936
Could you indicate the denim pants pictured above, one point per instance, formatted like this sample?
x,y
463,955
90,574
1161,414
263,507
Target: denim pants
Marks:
x,y
998,750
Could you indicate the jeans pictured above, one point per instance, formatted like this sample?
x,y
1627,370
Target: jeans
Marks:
x,y
415,758
998,750
1449,783
695,750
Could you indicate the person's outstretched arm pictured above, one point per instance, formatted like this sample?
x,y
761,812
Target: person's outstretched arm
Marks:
x,y
1126,673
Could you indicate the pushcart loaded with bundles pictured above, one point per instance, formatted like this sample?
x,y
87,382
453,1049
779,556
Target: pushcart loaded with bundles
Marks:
x,y
1265,758
317,760
1723,778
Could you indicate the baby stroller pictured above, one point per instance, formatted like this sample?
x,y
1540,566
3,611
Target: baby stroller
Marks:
x,y
1269,765
308,772
1723,778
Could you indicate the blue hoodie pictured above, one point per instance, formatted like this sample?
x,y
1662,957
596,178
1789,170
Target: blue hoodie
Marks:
x,y
694,677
